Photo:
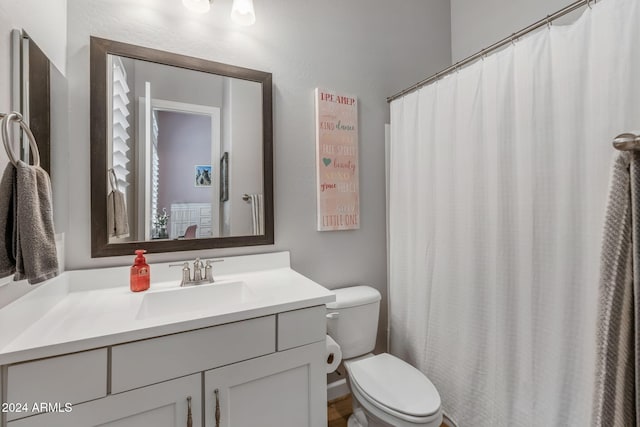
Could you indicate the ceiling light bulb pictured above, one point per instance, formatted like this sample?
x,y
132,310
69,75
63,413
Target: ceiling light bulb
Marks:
x,y
198,6
242,12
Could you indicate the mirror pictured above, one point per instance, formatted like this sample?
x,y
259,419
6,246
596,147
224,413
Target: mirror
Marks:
x,y
31,94
181,152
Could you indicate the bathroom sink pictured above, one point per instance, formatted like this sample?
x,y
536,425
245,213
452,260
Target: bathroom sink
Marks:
x,y
199,298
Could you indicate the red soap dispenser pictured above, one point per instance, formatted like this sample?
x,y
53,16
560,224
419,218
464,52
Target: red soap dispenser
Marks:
x,y
140,273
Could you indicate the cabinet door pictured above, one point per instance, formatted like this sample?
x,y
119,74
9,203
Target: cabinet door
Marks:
x,y
161,405
283,389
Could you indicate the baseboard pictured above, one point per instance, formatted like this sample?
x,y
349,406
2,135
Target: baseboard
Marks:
x,y
337,389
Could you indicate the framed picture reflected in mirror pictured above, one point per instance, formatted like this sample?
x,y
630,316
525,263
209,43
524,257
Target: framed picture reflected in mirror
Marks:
x,y
203,175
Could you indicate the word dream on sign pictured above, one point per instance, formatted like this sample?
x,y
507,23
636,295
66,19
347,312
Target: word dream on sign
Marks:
x,y
337,172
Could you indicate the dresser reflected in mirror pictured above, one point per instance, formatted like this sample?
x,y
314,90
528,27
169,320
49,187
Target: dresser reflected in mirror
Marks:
x,y
181,152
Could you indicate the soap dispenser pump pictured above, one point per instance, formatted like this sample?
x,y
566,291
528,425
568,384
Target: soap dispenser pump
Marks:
x,y
140,273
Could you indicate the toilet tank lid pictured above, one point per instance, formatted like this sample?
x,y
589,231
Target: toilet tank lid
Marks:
x,y
354,296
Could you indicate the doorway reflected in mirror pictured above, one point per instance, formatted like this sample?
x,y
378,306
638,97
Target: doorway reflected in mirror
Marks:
x,y
183,134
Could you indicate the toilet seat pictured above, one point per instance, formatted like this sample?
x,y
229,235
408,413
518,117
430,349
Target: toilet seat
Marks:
x,y
395,387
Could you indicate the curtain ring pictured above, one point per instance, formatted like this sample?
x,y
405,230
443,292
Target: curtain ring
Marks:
x,y
513,39
17,117
549,21
589,4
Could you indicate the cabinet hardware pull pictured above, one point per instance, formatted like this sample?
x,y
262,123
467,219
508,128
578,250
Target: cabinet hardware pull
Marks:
x,y
189,418
216,392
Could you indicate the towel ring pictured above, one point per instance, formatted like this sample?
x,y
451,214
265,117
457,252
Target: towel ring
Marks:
x,y
17,117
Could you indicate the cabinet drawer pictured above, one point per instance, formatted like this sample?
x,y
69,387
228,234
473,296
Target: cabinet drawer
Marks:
x,y
141,363
72,378
300,327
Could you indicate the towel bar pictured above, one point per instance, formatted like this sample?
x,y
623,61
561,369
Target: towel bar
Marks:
x,y
627,142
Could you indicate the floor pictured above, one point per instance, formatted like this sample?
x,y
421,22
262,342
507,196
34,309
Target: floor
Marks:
x,y
338,412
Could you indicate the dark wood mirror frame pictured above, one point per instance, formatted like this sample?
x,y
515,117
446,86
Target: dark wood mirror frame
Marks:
x,y
100,246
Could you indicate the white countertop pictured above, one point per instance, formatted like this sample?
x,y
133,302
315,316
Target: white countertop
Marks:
x,y
86,309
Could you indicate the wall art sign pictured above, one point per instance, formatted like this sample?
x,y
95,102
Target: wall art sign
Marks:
x,y
338,193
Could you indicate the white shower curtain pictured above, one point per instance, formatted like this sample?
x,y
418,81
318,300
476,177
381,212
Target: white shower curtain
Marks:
x,y
498,183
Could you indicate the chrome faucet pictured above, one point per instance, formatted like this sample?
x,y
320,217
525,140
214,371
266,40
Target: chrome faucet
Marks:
x,y
197,279
197,272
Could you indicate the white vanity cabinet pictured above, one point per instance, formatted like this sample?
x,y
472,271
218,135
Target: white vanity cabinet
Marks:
x,y
268,371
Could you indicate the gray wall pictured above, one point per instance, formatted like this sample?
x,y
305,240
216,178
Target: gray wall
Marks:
x,y
44,21
5,72
372,48
7,292
478,24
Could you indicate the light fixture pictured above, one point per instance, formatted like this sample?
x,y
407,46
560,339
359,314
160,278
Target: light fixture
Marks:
x,y
242,12
198,6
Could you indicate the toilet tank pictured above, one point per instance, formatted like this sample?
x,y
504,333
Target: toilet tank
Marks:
x,y
352,320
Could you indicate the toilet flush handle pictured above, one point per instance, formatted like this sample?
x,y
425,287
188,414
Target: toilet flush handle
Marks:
x,y
333,315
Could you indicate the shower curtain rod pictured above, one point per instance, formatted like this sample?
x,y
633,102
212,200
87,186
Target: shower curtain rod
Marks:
x,y
511,39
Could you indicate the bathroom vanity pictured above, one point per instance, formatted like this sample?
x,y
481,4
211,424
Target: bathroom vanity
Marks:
x,y
246,350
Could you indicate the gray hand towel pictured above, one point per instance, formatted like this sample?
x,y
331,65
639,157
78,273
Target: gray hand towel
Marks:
x,y
36,255
7,221
117,222
257,214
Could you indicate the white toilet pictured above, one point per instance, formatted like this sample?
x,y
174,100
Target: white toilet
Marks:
x,y
386,391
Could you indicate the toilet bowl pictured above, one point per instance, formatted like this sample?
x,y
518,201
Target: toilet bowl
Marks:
x,y
391,392
386,390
